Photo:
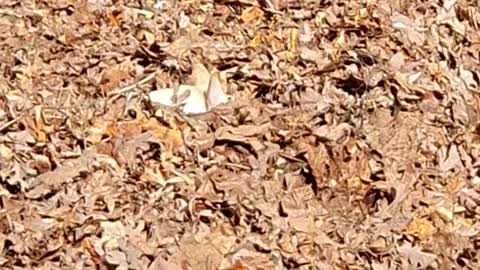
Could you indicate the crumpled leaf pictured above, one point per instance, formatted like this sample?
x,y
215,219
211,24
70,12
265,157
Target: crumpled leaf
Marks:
x,y
160,264
449,159
335,133
416,256
252,15
421,227
112,77
99,130
408,27
201,252
185,43
116,257
53,179
447,15
353,141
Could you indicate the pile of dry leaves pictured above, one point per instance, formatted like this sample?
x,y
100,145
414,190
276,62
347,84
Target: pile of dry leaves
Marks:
x,y
239,134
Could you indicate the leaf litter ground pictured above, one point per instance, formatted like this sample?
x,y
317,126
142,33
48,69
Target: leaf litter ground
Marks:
x,y
349,139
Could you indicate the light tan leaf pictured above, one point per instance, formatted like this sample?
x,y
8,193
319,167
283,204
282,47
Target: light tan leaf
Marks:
x,y
112,77
68,170
252,15
40,126
416,256
421,227
171,137
160,264
101,128
185,43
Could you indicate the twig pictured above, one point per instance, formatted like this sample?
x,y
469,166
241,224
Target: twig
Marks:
x,y
133,86
11,122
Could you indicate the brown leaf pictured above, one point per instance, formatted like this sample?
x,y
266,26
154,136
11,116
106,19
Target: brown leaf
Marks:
x,y
172,138
416,256
319,161
125,150
160,264
112,77
334,134
40,126
185,43
53,179
101,129
252,15
421,227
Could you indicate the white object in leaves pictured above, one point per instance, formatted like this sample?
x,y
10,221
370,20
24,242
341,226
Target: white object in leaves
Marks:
x,y
189,96
215,93
206,93
160,5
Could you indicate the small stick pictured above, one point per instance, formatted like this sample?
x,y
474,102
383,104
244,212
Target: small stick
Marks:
x,y
133,86
11,122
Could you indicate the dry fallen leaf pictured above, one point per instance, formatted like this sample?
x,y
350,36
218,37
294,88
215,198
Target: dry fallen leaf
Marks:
x,y
171,137
40,126
252,15
61,175
100,130
112,77
352,140
416,256
292,43
160,264
421,227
